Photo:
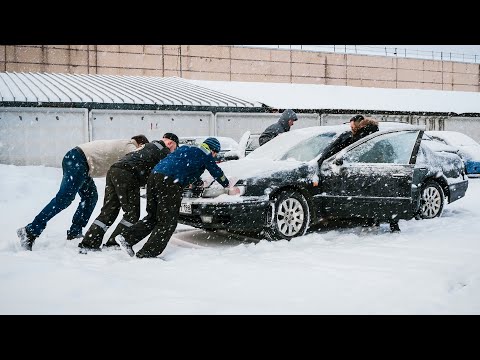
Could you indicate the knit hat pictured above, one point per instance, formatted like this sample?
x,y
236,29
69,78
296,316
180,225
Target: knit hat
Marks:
x,y
172,137
357,118
213,144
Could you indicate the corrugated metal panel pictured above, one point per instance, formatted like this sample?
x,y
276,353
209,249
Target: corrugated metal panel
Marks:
x,y
111,89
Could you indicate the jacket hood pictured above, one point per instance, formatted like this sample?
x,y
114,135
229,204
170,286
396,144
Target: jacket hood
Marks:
x,y
287,115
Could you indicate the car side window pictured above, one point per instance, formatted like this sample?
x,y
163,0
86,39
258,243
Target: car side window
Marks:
x,y
388,148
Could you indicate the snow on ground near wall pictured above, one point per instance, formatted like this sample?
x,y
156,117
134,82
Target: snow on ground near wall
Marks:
x,y
430,267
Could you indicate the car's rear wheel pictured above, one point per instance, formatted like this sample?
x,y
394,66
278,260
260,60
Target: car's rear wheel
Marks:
x,y
432,200
290,217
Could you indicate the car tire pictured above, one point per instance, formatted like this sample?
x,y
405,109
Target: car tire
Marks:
x,y
291,216
432,200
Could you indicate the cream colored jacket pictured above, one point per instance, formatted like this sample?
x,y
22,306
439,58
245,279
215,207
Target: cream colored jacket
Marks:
x,y
101,154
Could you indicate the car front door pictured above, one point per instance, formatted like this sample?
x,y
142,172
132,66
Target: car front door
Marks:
x,y
371,178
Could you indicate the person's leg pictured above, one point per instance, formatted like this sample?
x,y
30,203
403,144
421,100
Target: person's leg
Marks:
x,y
128,191
169,200
89,197
142,228
109,212
75,173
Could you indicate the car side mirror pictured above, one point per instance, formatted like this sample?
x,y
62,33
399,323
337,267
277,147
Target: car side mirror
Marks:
x,y
230,155
338,161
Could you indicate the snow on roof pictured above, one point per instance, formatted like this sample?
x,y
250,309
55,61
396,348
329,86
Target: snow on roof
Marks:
x,y
313,96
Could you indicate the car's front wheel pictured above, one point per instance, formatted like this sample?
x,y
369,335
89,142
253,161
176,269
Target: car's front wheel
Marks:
x,y
290,216
432,200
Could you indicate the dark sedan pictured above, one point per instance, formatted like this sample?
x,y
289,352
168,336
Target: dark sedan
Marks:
x,y
288,184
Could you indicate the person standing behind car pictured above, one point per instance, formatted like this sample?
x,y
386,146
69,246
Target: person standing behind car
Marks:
x,y
80,165
122,190
164,195
360,127
283,124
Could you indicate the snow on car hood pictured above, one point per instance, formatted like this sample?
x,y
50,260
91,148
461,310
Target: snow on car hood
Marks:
x,y
251,168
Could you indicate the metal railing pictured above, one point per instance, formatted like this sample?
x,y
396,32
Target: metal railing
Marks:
x,y
379,51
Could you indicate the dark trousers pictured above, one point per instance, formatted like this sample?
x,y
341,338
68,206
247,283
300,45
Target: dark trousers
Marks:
x,y
122,191
75,180
163,203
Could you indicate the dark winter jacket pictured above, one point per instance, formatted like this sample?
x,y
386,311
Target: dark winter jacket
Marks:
x,y
141,162
187,164
365,127
277,128
338,144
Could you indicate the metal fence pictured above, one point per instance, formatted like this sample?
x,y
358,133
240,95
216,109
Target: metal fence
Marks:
x,y
379,51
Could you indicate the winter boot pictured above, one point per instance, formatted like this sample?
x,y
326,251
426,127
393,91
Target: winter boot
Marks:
x,y
73,236
394,227
86,249
75,232
124,245
26,239
93,237
118,231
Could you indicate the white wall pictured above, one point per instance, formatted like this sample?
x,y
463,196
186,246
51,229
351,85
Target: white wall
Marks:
x,y
235,124
40,136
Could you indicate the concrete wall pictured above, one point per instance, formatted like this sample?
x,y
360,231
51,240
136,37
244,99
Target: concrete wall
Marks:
x,y
42,136
228,63
32,136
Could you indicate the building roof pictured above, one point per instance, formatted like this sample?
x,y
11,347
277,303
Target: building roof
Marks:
x,y
333,97
44,89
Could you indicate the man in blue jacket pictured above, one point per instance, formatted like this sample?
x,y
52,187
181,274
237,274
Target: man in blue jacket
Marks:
x,y
164,196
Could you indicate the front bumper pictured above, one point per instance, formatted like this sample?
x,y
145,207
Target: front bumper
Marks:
x,y
247,215
457,190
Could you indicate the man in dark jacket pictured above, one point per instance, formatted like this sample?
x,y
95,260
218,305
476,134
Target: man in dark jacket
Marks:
x,y
283,125
164,196
360,126
122,190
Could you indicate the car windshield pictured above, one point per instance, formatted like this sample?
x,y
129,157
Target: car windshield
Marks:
x,y
303,147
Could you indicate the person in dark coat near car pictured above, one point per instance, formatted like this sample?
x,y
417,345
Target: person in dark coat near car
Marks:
x,y
164,195
283,125
122,190
360,127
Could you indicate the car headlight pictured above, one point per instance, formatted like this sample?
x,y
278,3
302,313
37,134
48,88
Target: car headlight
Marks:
x,y
237,190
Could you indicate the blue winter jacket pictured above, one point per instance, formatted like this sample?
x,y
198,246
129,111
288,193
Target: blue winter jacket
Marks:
x,y
187,164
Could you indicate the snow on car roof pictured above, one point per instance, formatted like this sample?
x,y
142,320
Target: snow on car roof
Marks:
x,y
453,137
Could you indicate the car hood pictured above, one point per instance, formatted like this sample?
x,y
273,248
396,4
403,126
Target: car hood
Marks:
x,y
252,169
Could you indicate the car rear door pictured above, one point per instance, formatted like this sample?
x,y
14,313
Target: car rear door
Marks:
x,y
371,178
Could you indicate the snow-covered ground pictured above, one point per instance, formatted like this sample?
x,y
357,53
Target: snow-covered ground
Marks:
x,y
430,267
